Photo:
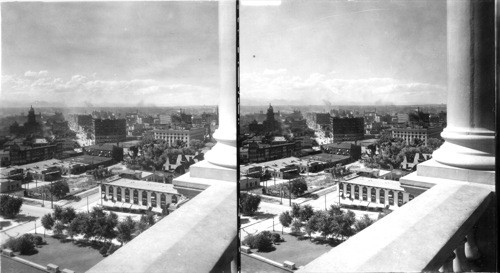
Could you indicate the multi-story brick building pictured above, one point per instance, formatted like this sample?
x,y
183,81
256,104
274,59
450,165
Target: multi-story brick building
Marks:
x,y
348,129
109,130
171,136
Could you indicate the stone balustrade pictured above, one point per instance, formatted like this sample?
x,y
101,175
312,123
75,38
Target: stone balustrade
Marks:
x,y
449,228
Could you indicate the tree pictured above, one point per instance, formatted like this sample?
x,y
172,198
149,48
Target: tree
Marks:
x,y
59,189
103,250
10,206
434,143
110,223
335,210
295,213
249,203
296,225
59,228
346,222
26,244
310,227
363,223
196,144
306,212
58,212
68,215
125,229
322,222
80,225
285,220
263,242
298,186
47,222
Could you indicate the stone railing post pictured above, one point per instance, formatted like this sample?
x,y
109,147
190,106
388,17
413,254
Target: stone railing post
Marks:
x,y
224,152
470,132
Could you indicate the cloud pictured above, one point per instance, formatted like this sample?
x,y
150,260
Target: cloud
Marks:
x,y
30,74
317,88
81,90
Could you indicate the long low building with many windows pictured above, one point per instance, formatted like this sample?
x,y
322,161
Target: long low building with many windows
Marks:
x,y
373,193
140,196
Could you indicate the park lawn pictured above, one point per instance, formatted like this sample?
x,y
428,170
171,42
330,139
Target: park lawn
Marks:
x,y
65,255
252,265
296,249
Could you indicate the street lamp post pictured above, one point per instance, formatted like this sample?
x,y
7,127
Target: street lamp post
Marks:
x,y
290,191
51,196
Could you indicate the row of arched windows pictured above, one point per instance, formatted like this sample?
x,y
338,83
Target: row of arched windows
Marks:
x,y
372,197
135,196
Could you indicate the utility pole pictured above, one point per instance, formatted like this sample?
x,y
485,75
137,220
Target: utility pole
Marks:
x,y
51,196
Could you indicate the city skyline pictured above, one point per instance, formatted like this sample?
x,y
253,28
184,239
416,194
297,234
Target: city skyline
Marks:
x,y
109,54
343,52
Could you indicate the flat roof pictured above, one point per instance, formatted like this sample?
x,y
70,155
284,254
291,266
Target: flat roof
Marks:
x,y
144,185
86,159
40,165
376,183
324,157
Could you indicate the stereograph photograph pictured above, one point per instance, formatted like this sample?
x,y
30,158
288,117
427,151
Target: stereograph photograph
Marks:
x,y
248,136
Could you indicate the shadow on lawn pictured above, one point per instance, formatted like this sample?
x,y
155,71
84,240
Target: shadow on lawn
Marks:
x,y
262,215
24,218
271,249
97,245
333,242
4,224
244,221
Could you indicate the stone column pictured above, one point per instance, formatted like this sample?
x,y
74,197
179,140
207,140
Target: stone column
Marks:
x,y
149,198
470,134
386,197
396,198
361,193
369,194
139,197
352,191
106,193
406,197
345,189
224,152
158,199
377,195
114,193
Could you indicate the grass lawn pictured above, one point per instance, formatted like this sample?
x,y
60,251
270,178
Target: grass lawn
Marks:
x,y
251,265
297,249
78,258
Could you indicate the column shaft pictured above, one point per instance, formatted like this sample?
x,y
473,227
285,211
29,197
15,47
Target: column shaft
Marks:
x,y
224,152
470,132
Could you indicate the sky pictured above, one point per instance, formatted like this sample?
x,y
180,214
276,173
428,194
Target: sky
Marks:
x,y
337,52
109,53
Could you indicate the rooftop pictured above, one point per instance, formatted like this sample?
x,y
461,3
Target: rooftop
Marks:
x,y
86,159
104,146
377,183
325,157
144,185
